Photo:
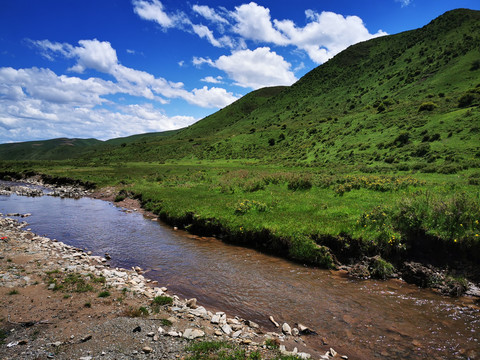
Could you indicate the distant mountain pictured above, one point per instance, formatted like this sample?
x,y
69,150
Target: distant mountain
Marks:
x,y
63,148
57,149
407,101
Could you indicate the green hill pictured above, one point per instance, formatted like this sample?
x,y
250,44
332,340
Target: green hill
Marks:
x,y
408,100
55,149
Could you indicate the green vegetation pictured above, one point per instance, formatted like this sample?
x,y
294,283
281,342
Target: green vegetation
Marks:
x,y
104,294
136,312
161,301
374,153
13,292
219,350
165,322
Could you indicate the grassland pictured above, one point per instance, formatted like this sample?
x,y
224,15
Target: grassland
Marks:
x,y
376,152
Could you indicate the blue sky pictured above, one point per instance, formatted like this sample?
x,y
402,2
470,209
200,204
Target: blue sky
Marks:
x,y
112,68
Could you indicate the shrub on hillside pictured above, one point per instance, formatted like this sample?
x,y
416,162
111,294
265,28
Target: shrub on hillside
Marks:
x,y
427,106
300,182
470,98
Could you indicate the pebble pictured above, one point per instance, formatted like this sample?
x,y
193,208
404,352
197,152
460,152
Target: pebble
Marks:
x,y
227,329
147,349
286,329
273,321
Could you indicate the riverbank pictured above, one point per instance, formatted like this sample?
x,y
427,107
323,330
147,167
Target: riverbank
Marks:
x,y
457,277
448,282
392,225
60,302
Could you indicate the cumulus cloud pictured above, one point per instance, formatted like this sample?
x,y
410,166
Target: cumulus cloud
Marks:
x,y
32,119
205,32
37,103
100,56
253,22
323,36
212,80
153,10
326,34
254,69
209,14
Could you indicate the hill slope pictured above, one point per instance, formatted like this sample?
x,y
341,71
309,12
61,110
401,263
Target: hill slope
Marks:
x,y
408,100
405,101
55,149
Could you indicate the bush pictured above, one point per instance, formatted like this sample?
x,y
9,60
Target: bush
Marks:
x,y
475,65
427,106
402,139
104,294
421,150
247,205
300,182
470,98
380,269
162,300
304,249
119,198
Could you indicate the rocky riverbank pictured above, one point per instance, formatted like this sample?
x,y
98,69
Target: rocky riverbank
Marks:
x,y
34,186
59,302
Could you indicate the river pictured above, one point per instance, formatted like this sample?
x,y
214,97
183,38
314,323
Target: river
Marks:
x,y
363,319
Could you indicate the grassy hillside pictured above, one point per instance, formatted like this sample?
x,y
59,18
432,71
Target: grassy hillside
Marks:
x,y
55,149
407,101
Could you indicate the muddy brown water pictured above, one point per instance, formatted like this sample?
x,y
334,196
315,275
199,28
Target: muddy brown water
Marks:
x,y
363,319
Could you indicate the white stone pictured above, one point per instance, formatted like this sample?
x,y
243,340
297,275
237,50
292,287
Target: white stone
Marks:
x,y
193,333
286,329
227,329
273,321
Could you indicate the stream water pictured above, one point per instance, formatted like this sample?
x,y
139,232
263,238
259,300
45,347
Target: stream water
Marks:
x,y
363,319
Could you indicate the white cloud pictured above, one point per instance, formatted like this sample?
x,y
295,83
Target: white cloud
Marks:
x,y
45,85
40,120
211,97
205,32
153,10
94,54
102,57
255,69
209,14
198,61
404,2
212,80
253,22
326,35
38,104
